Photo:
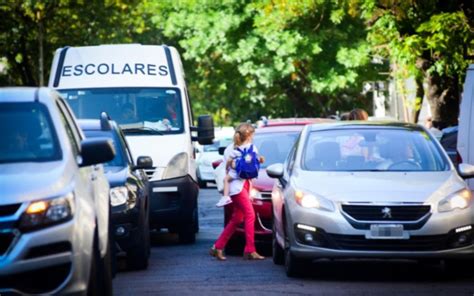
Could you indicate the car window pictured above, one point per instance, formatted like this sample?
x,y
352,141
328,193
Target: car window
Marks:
x,y
75,145
274,147
372,149
119,159
28,133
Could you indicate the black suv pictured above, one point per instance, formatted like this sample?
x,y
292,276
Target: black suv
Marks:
x,y
129,193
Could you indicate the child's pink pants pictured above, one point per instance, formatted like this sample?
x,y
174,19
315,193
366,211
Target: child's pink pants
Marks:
x,y
243,210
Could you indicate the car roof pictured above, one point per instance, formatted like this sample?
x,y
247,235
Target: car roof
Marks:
x,y
95,124
366,125
289,124
279,129
24,94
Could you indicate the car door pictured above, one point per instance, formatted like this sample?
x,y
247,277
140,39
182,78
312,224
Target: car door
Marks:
x,y
99,183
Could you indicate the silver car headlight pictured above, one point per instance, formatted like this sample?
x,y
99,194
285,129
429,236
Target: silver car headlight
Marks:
x,y
48,212
118,196
458,200
177,167
308,200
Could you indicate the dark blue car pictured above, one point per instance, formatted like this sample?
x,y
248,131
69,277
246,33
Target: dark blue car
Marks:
x,y
129,193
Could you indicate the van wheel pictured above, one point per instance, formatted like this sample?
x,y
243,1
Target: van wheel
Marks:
x,y
187,234
277,251
202,184
137,257
100,275
459,267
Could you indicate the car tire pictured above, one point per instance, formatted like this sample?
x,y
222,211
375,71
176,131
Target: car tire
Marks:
x,y
294,267
100,275
196,220
202,183
137,257
457,268
187,234
278,253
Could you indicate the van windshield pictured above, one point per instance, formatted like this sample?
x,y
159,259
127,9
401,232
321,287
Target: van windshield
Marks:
x,y
137,110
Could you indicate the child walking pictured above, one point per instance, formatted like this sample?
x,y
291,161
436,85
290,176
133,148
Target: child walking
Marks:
x,y
238,189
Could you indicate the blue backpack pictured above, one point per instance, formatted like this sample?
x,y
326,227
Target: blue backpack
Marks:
x,y
247,164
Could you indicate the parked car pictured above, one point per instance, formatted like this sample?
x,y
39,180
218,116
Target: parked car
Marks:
x,y
207,155
273,140
54,210
377,190
129,193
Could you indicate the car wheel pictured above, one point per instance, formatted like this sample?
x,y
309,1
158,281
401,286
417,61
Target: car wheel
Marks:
x,y
137,257
202,183
277,251
187,234
100,276
459,267
293,266
196,220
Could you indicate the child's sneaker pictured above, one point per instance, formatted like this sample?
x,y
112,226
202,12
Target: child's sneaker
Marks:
x,y
225,200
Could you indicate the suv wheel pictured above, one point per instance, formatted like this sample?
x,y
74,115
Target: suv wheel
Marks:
x,y
277,251
137,257
100,275
294,267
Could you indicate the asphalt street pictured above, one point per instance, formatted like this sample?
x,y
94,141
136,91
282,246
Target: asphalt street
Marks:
x,y
188,270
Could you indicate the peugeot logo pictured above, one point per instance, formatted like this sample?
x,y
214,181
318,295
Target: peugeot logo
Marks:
x,y
387,213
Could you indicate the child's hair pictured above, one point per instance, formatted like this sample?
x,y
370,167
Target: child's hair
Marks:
x,y
358,114
242,133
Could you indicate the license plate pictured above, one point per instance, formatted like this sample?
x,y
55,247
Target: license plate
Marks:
x,y
387,231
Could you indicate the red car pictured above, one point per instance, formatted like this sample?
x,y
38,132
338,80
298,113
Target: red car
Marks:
x,y
273,140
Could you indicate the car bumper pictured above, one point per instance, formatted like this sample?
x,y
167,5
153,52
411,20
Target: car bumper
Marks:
x,y
125,221
52,260
172,202
333,236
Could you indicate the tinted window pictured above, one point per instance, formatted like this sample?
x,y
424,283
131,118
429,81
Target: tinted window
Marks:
x,y
274,147
27,133
135,109
372,149
119,157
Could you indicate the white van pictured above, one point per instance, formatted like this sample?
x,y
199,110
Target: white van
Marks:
x,y
142,87
465,143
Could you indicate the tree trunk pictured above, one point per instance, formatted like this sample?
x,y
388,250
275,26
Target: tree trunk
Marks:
x,y
443,96
420,94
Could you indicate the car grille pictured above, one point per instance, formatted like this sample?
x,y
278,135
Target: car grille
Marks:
x,y
415,243
266,195
6,239
9,210
379,212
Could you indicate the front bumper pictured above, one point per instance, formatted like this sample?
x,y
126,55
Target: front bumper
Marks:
x,y
335,236
172,202
52,260
125,221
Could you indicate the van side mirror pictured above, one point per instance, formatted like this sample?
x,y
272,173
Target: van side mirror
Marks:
x,y
205,130
144,162
466,170
95,151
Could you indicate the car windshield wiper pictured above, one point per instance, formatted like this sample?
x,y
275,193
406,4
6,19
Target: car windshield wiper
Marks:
x,y
142,130
369,170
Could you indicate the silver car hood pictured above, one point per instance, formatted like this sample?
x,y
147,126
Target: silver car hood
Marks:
x,y
20,182
376,187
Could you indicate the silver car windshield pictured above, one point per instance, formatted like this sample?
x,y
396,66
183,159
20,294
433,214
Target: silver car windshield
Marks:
x,y
28,134
136,110
372,150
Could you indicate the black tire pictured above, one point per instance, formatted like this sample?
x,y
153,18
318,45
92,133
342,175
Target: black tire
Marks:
x,y
459,268
202,184
100,276
278,253
137,257
294,267
196,220
187,233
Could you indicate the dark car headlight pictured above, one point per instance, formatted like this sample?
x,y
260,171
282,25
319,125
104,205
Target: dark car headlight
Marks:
x,y
47,212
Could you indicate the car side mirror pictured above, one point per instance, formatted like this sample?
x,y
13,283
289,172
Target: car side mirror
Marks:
x,y
95,151
144,162
275,171
205,130
466,170
221,150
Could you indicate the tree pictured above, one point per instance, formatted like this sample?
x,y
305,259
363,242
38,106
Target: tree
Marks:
x,y
30,27
428,40
282,58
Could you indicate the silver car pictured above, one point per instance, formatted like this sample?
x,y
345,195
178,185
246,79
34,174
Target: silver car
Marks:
x,y
370,190
54,208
